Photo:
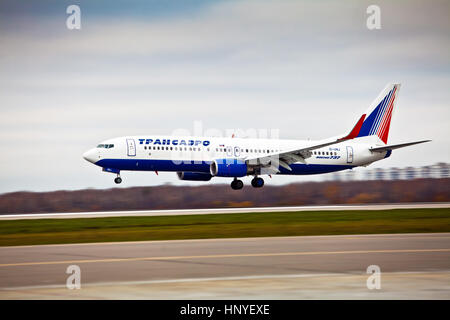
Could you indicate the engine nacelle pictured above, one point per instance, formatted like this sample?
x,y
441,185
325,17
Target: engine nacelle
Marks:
x,y
228,168
194,176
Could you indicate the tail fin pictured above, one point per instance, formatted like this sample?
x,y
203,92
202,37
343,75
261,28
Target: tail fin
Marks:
x,y
379,115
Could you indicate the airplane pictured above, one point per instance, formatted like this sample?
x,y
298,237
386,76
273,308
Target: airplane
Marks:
x,y
202,158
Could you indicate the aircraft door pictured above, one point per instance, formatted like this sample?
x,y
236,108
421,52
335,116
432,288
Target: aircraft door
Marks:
x,y
131,148
237,152
349,154
229,151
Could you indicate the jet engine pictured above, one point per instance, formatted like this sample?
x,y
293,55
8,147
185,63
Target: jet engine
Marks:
x,y
228,168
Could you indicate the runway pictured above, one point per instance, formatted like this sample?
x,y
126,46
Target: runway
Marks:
x,y
146,213
412,266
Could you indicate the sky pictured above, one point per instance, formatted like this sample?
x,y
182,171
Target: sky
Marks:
x,y
303,69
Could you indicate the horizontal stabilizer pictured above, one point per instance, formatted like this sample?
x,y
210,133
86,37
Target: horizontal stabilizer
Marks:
x,y
396,146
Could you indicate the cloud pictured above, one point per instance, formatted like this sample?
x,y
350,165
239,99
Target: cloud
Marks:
x,y
286,65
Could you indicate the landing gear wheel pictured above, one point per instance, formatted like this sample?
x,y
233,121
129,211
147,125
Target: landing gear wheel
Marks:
x,y
257,182
118,180
237,184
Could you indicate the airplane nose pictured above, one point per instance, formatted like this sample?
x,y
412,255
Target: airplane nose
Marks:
x,y
90,155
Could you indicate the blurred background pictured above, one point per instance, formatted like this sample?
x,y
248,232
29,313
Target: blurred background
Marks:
x,y
358,186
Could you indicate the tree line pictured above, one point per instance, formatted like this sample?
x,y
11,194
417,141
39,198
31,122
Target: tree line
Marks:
x,y
221,196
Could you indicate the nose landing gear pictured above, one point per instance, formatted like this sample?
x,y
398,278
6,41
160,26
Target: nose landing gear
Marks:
x,y
118,179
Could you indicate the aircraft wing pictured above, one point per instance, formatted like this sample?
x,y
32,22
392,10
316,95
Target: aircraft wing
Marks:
x,y
285,158
396,146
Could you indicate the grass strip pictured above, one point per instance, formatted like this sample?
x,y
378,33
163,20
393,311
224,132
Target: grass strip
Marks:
x,y
239,225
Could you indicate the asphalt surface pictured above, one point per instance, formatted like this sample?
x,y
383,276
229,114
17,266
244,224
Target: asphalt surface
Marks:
x,y
146,213
232,268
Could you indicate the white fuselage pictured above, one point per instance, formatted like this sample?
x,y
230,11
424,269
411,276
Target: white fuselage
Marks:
x,y
194,154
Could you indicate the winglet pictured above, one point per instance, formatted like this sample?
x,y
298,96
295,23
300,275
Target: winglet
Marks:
x,y
355,131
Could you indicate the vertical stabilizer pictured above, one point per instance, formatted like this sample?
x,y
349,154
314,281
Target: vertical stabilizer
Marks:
x,y
379,115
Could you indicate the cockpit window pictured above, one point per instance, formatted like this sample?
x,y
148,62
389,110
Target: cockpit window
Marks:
x,y
106,146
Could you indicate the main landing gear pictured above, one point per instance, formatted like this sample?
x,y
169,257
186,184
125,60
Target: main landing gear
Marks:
x,y
257,182
118,179
237,184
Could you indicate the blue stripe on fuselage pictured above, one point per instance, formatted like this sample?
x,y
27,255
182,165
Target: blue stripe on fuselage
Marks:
x,y
191,166
154,165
